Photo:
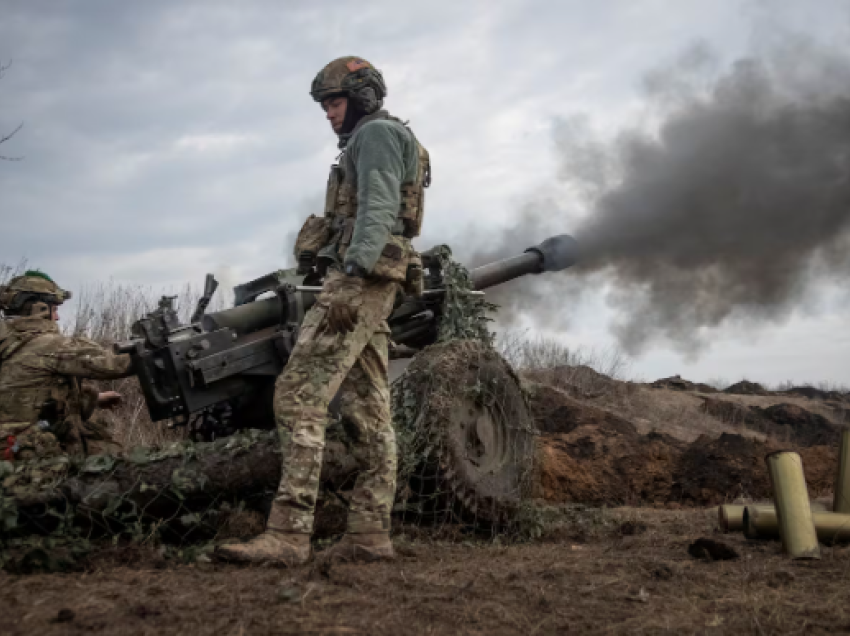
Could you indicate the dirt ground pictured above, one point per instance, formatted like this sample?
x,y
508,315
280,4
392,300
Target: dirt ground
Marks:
x,y
622,571
582,569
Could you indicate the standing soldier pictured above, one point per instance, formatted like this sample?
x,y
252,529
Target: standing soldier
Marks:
x,y
46,407
362,243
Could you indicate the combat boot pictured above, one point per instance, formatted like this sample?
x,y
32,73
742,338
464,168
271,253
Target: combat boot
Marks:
x,y
360,547
273,547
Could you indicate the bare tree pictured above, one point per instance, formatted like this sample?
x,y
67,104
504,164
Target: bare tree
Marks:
x,y
6,137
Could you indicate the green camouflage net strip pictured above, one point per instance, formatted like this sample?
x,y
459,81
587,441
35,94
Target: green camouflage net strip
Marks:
x,y
464,314
52,510
464,317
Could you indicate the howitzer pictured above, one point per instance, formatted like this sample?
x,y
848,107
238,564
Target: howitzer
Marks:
x,y
217,372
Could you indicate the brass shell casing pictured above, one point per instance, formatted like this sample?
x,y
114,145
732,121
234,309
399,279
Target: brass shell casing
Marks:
x,y
730,517
831,527
793,510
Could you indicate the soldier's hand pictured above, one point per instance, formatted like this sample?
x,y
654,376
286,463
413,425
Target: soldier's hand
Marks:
x,y
345,296
109,399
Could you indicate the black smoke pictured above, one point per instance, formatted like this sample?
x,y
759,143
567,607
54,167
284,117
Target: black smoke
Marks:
x,y
728,201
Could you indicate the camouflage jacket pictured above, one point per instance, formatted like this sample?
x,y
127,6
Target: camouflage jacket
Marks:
x,y
42,373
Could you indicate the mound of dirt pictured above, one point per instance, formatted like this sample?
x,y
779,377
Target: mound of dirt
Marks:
x,y
677,383
817,394
745,387
794,424
588,455
556,411
711,471
787,423
589,465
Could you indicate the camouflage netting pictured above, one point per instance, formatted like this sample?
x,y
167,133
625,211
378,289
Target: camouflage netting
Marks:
x,y
466,440
464,314
182,494
465,447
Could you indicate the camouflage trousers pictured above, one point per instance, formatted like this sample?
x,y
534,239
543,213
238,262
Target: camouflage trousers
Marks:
x,y
355,364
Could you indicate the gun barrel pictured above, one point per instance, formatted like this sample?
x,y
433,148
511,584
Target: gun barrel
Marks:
x,y
552,255
246,318
507,269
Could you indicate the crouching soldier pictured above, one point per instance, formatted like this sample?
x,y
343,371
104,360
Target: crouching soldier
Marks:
x,y
46,407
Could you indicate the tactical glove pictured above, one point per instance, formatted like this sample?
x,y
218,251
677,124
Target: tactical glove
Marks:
x,y
345,299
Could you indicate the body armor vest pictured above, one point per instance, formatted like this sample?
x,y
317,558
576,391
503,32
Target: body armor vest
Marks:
x,y
328,237
53,401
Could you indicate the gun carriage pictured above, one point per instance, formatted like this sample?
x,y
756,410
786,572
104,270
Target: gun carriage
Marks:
x,y
217,372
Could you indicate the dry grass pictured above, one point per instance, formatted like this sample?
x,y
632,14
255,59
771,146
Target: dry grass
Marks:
x,y
675,413
105,313
526,353
836,415
601,379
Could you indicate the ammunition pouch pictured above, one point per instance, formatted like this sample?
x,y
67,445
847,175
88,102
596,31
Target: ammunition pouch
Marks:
x,y
414,283
341,196
413,196
393,261
313,236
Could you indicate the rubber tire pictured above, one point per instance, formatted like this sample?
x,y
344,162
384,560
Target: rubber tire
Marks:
x,y
480,436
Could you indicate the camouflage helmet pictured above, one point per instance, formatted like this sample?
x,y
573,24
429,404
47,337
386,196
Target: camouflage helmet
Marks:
x,y
354,78
34,290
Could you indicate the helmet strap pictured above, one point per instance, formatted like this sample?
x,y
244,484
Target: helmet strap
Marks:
x,y
353,114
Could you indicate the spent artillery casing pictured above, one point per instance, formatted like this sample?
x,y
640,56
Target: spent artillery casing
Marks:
x,y
841,498
760,522
730,517
793,510
830,527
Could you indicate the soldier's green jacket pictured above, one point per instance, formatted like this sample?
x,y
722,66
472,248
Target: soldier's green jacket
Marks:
x,y
380,155
38,364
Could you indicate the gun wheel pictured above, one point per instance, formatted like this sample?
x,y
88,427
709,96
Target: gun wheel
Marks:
x,y
466,438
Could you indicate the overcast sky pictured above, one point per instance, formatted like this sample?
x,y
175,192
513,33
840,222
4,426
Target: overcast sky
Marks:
x,y
166,139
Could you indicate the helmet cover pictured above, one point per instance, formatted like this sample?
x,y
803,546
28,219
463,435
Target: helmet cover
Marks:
x,y
354,78
32,286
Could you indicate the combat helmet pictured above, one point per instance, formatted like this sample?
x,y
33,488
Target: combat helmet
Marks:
x,y
31,294
353,77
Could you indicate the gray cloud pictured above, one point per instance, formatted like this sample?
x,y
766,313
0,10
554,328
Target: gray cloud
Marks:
x,y
165,139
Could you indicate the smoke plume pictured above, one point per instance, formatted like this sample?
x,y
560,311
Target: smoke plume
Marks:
x,y
732,204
